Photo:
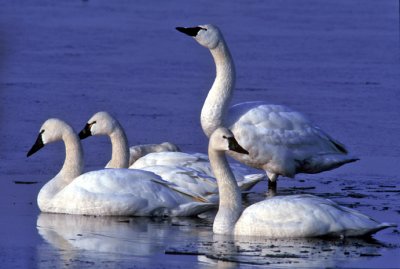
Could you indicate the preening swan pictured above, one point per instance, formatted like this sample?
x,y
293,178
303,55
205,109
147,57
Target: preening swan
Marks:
x,y
280,141
280,216
108,191
189,171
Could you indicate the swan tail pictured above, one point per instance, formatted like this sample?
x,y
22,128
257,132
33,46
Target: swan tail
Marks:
x,y
379,227
324,162
370,231
250,180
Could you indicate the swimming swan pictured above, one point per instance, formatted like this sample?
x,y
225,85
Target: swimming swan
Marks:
x,y
280,216
189,171
107,191
280,141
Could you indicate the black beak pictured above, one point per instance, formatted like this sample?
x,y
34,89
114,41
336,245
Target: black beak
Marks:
x,y
234,146
85,131
38,145
190,31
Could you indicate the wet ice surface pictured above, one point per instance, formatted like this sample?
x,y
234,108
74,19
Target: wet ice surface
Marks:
x,y
338,62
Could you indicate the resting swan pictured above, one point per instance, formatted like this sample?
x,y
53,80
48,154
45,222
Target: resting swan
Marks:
x,y
189,171
139,151
108,191
280,216
280,141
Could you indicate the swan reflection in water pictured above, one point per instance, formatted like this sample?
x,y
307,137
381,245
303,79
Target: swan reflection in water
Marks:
x,y
145,240
227,251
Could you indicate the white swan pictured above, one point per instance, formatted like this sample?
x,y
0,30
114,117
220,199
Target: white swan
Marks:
x,y
120,150
107,191
189,171
280,216
280,141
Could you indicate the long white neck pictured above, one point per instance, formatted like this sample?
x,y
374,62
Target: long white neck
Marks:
x,y
72,168
120,149
218,99
230,199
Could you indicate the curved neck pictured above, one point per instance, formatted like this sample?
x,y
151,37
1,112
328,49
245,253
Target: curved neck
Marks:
x,y
220,94
120,149
74,163
230,199
72,168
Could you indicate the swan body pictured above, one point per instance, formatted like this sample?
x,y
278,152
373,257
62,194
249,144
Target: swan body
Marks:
x,y
121,192
108,191
280,141
191,172
279,216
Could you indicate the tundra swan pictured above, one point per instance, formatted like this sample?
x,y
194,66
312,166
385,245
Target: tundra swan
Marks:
x,y
279,216
107,191
189,171
280,141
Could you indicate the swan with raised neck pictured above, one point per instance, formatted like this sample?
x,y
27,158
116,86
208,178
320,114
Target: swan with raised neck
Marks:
x,y
108,191
190,171
280,141
280,216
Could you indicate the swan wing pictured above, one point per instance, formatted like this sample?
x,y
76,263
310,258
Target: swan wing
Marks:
x,y
303,216
280,137
187,178
195,166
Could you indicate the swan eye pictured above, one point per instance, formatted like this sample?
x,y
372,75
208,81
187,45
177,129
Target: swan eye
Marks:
x,y
91,124
41,132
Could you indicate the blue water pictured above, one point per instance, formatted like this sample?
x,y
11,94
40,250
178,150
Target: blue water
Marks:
x,y
336,61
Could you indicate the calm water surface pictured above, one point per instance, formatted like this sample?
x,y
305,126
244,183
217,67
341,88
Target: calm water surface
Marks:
x,y
336,61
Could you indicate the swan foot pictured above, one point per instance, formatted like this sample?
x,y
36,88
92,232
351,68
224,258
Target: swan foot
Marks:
x,y
272,183
272,186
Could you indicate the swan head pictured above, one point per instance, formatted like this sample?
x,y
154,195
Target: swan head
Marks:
x,y
207,35
101,123
222,139
52,130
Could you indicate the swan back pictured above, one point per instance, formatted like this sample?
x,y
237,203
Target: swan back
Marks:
x,y
304,216
139,151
